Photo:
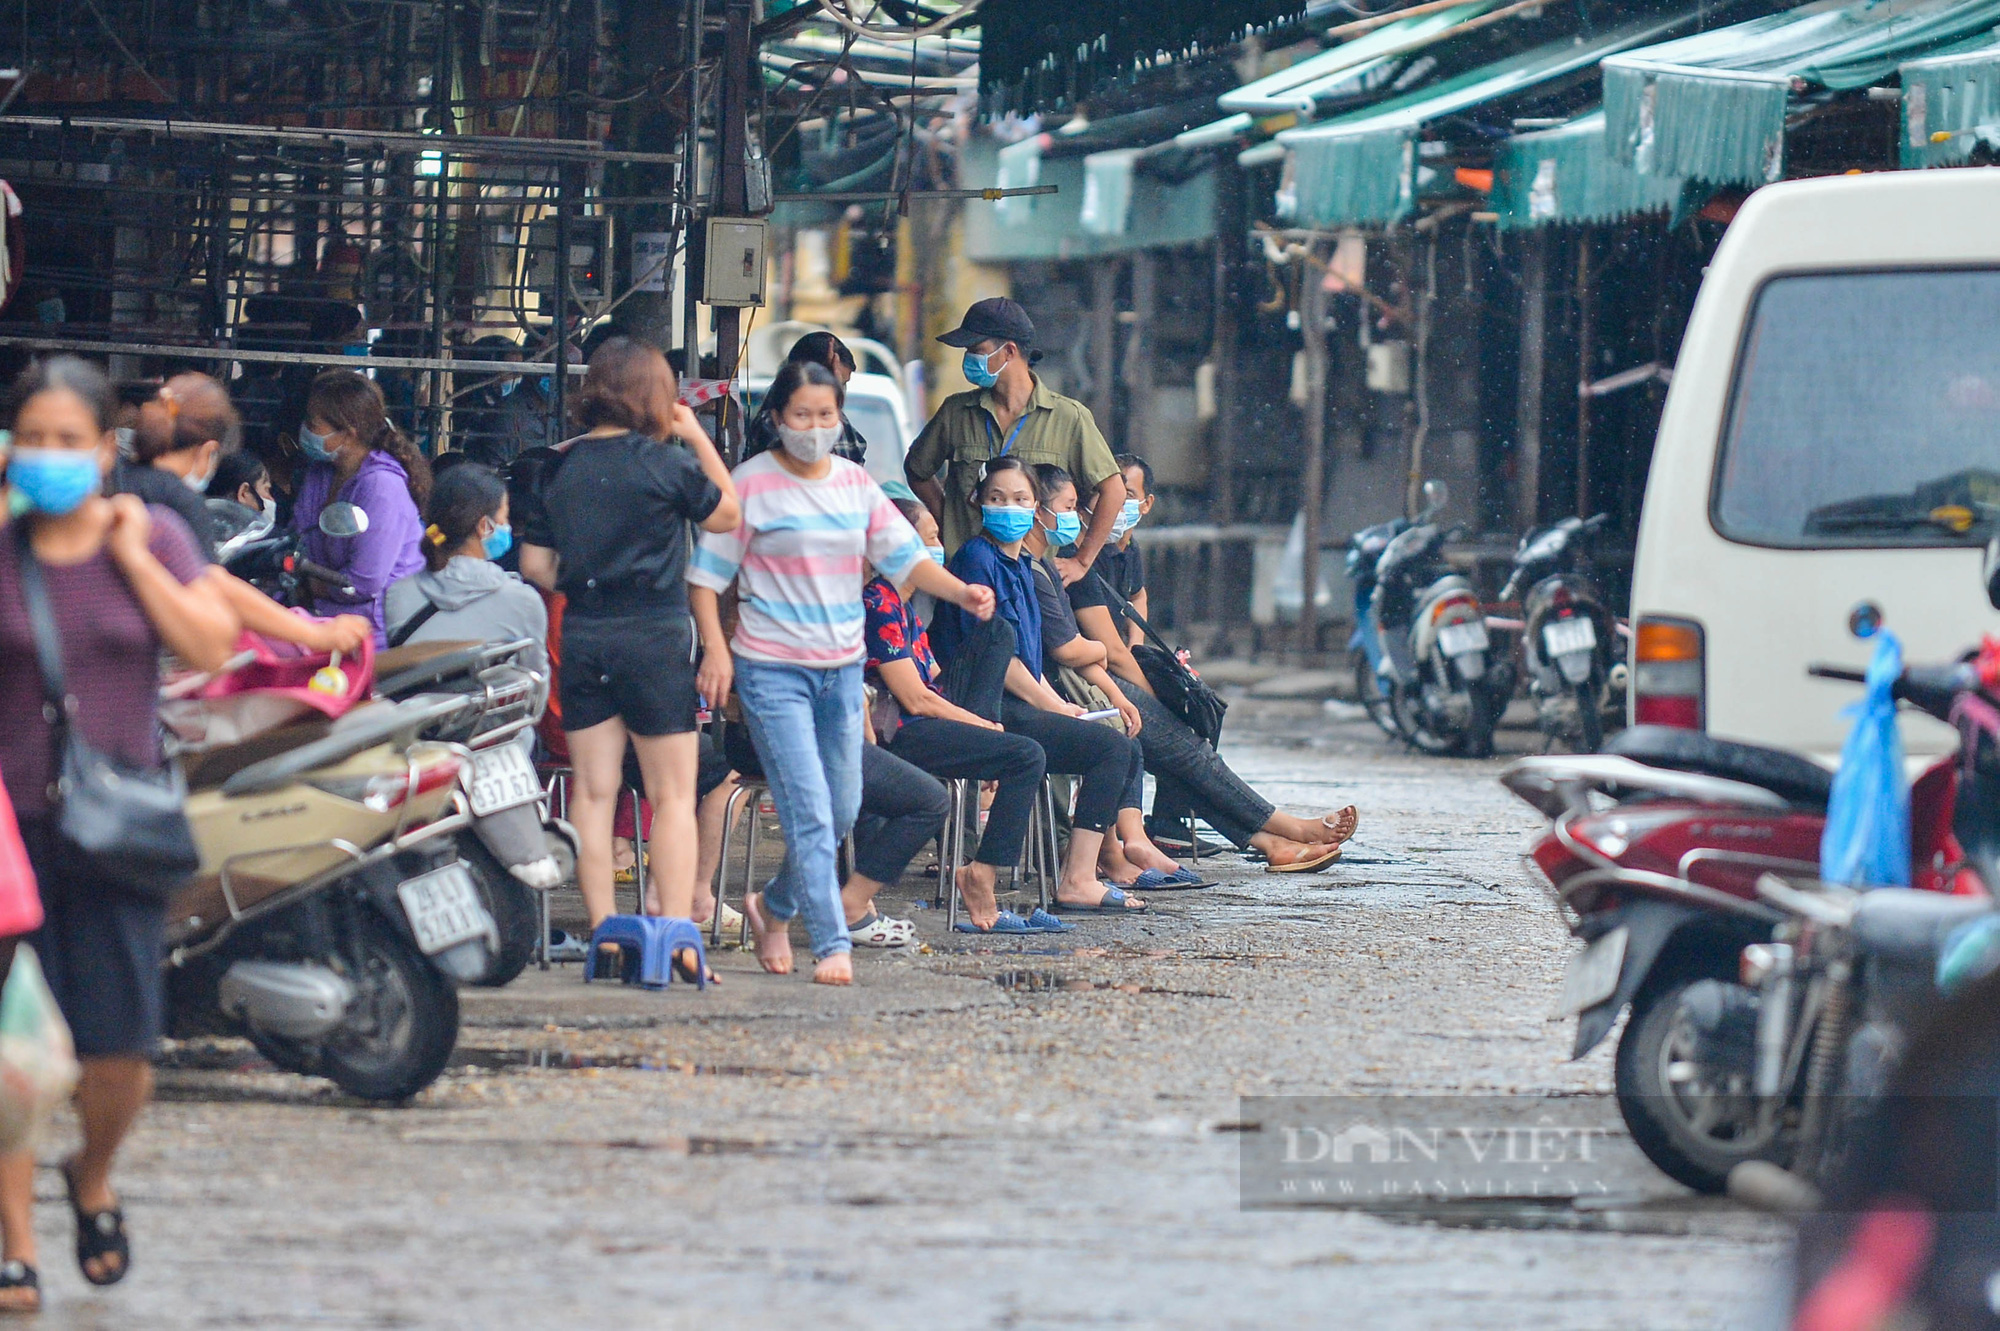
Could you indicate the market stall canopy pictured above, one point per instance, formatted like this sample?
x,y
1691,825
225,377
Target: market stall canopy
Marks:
x,y
1049,53
1951,105
1361,168
1565,175
1104,204
1712,106
1363,65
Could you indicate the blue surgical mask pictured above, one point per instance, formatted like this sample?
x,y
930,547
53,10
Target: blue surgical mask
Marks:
x,y
976,371
314,446
1005,524
936,552
1127,519
54,481
498,541
508,386
1066,531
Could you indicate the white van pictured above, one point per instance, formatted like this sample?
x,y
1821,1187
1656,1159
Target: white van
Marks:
x,y
1831,442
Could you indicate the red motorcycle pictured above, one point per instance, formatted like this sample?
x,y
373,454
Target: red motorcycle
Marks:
x,y
1652,859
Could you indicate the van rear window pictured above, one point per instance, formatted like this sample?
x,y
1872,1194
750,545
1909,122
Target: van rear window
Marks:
x,y
1866,412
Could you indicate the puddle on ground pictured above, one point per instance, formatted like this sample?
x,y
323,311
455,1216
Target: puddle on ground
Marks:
x,y
1050,982
565,1060
1676,1216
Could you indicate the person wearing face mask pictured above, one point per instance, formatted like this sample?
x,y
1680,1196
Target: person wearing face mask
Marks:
x,y
1108,762
1009,412
811,521
813,349
462,595
357,454
505,416
184,433
122,581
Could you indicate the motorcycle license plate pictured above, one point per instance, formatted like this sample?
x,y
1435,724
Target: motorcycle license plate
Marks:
x,y
444,908
1569,635
1458,639
502,777
1593,972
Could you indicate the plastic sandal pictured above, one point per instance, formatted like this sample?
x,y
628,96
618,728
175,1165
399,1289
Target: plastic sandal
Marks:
x,y
19,1275
99,1234
1307,864
877,930
1111,903
1041,922
1008,923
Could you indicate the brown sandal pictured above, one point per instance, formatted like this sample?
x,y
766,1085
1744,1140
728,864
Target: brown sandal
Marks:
x,y
1314,856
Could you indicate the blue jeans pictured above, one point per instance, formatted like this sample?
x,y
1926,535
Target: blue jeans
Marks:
x,y
806,724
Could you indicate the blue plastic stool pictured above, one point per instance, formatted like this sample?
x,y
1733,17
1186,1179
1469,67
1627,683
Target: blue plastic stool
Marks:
x,y
655,938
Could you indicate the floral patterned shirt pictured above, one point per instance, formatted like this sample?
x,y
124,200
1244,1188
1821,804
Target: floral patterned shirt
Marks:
x,y
895,633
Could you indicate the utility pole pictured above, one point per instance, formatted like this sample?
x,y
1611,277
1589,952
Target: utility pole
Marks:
x,y
732,194
1586,353
1534,342
1312,485
1231,224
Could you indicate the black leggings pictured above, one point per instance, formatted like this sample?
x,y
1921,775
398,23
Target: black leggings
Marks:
x,y
1192,778
901,809
955,749
1110,764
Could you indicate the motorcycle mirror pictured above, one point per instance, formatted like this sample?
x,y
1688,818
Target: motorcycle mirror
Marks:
x,y
341,518
1435,494
1993,573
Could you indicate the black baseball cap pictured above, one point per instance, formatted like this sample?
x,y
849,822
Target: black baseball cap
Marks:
x,y
998,318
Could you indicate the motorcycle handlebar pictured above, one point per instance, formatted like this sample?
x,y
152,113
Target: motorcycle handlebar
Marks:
x,y
1929,689
324,574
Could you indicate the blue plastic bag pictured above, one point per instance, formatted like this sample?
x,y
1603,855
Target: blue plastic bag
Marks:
x,y
1867,838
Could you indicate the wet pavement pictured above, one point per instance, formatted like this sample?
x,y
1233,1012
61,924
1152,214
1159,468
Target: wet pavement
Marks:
x,y
1026,1132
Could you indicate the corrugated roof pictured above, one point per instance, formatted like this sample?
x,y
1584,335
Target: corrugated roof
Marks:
x,y
1564,175
1299,87
1951,104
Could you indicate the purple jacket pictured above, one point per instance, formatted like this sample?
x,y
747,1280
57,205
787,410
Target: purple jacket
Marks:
x,y
391,548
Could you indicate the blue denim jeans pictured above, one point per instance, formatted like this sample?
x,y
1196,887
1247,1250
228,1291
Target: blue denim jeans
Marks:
x,y
806,724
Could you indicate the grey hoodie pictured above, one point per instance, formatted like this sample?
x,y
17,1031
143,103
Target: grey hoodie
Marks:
x,y
477,602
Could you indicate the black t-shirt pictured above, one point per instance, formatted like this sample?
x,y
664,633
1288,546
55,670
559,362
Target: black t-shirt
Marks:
x,y
1123,570
169,491
618,512
1058,624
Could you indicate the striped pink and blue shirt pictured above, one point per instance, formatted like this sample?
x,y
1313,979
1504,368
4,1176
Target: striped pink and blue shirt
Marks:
x,y
797,560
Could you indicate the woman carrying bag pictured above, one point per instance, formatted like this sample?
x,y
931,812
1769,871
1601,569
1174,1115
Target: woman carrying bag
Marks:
x,y
95,587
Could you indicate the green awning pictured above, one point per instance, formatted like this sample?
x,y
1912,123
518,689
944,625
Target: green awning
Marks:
x,y
1564,176
1361,168
1356,65
1107,191
1712,106
1951,103
1133,210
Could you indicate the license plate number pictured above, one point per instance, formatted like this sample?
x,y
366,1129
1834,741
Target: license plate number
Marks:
x,y
1593,972
1569,635
1458,639
502,778
444,908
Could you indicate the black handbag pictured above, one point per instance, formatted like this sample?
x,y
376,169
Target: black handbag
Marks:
x,y
129,824
1177,687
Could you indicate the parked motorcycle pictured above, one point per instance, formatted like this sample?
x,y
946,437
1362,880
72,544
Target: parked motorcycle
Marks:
x,y
269,558
1653,858
1445,690
517,852
1364,646
333,915
1569,638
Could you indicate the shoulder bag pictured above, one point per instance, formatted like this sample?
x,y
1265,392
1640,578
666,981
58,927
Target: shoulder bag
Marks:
x,y
1179,689
128,823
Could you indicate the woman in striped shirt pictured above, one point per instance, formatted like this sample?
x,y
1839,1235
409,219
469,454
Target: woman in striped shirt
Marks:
x,y
810,522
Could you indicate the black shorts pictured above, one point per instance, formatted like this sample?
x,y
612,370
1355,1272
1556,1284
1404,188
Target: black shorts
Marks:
x,y
639,668
101,949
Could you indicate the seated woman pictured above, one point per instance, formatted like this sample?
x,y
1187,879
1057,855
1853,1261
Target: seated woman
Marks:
x,y
922,726
357,454
1185,769
463,596
1106,760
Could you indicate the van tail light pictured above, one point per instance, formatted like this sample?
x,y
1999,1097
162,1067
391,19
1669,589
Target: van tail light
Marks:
x,y
1669,669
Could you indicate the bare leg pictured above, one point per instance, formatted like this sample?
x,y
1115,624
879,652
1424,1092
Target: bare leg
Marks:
x,y
710,833
597,766
1282,852
1138,847
976,884
668,762
857,896
17,1224
108,1099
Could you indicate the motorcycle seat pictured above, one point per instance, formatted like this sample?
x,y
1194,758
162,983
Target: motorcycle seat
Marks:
x,y
1797,780
1898,925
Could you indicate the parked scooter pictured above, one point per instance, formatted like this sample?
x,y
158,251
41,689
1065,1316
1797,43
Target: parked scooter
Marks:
x,y
1445,691
1660,882
268,558
1364,647
333,916
518,852
1569,638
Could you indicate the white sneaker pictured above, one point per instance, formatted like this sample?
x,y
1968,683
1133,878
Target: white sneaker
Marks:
x,y
878,930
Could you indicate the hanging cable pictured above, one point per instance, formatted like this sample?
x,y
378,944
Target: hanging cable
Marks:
x,y
837,11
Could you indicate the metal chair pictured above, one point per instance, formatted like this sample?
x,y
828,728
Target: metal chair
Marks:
x,y
1041,858
751,789
962,808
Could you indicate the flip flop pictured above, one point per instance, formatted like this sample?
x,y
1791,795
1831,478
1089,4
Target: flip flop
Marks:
x,y
1008,923
1349,818
1041,922
1307,865
1111,903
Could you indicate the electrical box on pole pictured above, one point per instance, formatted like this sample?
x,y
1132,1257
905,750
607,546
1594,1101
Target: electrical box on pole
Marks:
x,y
734,276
